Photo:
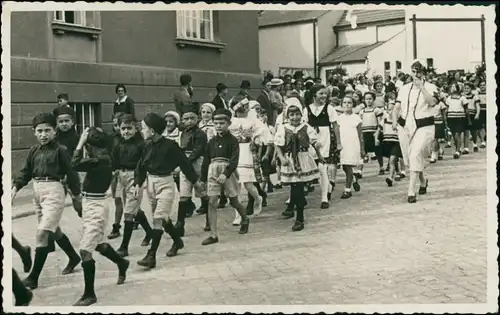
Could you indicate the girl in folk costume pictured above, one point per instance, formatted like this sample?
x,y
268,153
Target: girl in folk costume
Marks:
x,y
265,151
441,125
206,123
415,109
379,100
250,133
351,139
456,118
370,116
293,140
324,119
482,113
390,146
472,115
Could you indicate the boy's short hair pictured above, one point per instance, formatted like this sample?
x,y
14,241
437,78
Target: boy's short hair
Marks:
x,y
44,118
63,96
127,119
222,113
220,87
118,115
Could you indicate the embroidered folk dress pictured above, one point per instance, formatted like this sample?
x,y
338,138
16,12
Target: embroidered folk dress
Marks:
x,y
295,142
251,133
208,128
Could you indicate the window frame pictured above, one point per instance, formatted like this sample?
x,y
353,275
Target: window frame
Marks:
x,y
182,17
80,17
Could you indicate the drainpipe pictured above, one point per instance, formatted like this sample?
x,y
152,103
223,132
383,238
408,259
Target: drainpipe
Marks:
x,y
315,50
483,47
414,22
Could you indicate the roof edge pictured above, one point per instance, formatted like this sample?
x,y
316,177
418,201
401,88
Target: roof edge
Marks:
x,y
286,23
378,23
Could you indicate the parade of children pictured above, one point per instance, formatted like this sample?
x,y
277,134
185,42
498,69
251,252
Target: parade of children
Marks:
x,y
147,173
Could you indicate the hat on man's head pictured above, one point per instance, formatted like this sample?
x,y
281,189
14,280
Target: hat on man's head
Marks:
x,y
155,122
245,84
44,118
64,96
276,82
64,110
220,87
194,107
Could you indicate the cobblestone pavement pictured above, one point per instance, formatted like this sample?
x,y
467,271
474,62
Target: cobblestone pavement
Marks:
x,y
371,249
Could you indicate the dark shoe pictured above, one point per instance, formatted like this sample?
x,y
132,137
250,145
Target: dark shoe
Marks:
x,y
346,195
146,241
210,240
176,246
465,152
26,300
30,283
245,223
278,186
122,271
397,177
288,213
358,175
115,232
86,301
456,155
123,252
324,205
476,149
440,157
381,172
412,199
388,181
70,267
149,261
423,189
356,186
402,175
432,161
298,226
26,259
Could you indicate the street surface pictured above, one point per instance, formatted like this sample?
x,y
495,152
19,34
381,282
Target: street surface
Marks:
x,y
371,249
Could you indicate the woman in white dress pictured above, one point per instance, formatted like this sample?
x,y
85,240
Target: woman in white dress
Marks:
x,y
251,133
353,149
413,117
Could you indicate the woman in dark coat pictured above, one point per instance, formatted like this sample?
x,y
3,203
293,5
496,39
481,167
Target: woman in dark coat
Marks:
x,y
123,103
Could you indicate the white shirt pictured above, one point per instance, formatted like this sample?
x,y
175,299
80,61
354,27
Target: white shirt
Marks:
x,y
412,100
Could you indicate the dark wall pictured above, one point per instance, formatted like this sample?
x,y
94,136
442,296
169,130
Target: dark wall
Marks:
x,y
148,38
30,32
36,83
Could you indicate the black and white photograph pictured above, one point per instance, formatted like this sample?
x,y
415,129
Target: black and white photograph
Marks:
x,y
321,158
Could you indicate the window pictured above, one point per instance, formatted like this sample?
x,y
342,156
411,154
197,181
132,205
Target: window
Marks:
x,y
398,65
87,115
70,17
195,25
430,63
387,66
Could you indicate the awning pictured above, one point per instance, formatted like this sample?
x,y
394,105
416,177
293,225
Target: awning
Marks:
x,y
348,53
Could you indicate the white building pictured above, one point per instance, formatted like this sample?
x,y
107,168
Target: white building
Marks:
x,y
295,40
382,40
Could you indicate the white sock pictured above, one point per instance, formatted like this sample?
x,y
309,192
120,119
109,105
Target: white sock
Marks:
x,y
324,182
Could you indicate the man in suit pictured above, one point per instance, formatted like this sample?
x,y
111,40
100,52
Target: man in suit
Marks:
x,y
219,100
182,97
265,101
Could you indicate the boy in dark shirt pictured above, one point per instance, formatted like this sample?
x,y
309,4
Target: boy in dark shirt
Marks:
x,y
193,142
98,177
125,156
160,157
47,164
219,172
117,197
62,100
67,136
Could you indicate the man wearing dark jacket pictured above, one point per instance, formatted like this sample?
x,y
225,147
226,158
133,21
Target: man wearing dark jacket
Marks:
x,y
219,100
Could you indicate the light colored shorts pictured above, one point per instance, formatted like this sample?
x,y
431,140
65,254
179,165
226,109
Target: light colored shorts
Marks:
x,y
95,219
126,182
163,196
49,204
185,186
230,188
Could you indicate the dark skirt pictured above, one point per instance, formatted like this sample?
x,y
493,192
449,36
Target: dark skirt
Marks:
x,y
457,125
440,132
334,157
482,118
391,148
369,142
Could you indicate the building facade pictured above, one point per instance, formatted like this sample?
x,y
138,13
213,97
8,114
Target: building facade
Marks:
x,y
86,53
382,41
295,40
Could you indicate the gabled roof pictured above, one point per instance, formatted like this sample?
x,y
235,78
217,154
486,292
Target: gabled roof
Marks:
x,y
349,53
372,16
272,18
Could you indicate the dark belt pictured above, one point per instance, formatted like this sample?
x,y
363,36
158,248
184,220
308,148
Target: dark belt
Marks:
x,y
421,122
94,195
47,179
